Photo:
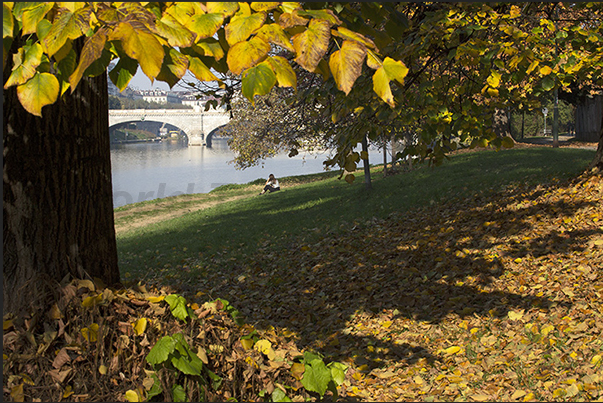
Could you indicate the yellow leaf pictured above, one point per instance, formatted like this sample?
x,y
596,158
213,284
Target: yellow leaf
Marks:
x,y
7,324
25,62
596,360
205,25
297,370
518,260
92,50
418,380
67,392
132,396
67,25
140,326
355,36
265,347
16,392
382,88
312,44
532,66
515,315
40,90
90,333
247,343
264,6
244,55
346,64
285,75
274,33
102,369
175,32
528,397
452,350
494,79
546,330
156,299
517,394
225,8
386,323
481,398
92,300
545,70
241,27
141,46
202,355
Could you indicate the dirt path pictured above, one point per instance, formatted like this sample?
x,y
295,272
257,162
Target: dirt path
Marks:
x,y
145,214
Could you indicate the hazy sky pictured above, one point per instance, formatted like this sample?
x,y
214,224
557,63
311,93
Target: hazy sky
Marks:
x,y
142,82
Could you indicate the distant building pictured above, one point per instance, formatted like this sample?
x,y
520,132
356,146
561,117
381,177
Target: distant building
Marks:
x,y
158,96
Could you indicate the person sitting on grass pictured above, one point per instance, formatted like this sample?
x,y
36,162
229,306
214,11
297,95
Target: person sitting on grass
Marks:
x,y
271,185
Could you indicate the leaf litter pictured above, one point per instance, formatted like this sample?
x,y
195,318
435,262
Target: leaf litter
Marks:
x,y
494,297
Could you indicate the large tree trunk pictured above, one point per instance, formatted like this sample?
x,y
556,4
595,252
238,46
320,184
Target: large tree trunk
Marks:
x,y
588,115
58,206
597,162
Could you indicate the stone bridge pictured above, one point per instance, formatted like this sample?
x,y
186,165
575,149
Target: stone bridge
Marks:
x,y
195,123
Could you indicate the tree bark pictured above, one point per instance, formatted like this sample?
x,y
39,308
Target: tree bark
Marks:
x,y
597,162
58,206
367,168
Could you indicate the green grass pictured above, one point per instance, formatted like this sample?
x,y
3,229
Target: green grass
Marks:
x,y
321,203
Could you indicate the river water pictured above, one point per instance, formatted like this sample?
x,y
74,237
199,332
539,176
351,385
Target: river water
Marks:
x,y
146,171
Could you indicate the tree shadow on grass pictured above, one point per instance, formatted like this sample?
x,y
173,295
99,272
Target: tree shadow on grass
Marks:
x,y
364,293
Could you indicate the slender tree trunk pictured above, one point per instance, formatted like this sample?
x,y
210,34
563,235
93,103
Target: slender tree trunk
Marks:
x,y
58,207
384,157
367,168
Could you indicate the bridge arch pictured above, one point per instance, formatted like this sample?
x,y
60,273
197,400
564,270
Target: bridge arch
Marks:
x,y
194,122
222,131
162,129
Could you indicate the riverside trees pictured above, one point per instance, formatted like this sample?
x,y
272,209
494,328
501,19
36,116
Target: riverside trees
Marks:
x,y
444,68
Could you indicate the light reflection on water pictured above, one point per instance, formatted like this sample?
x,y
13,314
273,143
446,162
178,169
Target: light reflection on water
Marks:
x,y
145,171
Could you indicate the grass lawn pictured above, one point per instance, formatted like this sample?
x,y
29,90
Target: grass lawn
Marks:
x,y
312,207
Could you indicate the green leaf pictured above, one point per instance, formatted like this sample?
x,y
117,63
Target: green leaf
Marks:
x,y
507,142
285,75
279,396
173,68
161,350
337,372
25,62
241,27
141,46
216,381
258,80
316,377
178,393
92,50
548,83
32,16
40,90
246,54
205,25
177,306
346,64
123,72
312,44
156,389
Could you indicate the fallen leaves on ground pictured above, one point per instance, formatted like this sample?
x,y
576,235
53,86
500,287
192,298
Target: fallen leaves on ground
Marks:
x,y
488,298
485,298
